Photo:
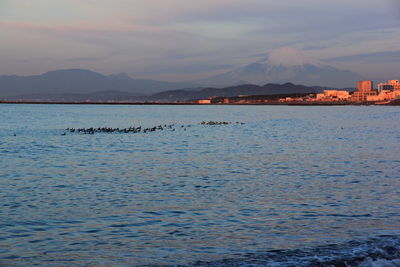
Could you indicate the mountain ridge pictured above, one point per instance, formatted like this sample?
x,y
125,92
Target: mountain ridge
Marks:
x,y
80,81
175,95
231,91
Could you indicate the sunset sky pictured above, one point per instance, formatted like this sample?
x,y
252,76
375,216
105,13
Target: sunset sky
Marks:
x,y
182,40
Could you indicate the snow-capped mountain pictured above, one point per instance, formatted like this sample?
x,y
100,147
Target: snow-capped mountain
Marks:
x,y
287,65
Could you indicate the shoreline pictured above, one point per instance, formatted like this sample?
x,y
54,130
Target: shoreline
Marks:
x,y
198,104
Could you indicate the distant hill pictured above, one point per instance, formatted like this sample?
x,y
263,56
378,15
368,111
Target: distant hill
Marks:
x,y
248,89
286,65
174,95
100,96
80,81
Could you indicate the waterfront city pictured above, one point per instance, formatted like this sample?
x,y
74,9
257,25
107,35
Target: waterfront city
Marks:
x,y
365,94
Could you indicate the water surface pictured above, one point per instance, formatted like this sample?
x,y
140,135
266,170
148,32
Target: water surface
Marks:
x,y
290,178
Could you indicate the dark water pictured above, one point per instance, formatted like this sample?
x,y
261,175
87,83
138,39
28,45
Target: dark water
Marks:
x,y
293,186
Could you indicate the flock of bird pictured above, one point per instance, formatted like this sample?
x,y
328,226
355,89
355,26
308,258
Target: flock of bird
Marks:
x,y
140,129
218,123
131,129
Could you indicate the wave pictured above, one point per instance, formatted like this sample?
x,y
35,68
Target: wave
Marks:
x,y
381,251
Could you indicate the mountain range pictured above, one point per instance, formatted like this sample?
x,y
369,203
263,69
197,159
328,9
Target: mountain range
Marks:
x,y
175,95
80,81
231,91
278,67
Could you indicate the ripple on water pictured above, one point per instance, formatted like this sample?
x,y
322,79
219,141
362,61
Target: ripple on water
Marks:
x,y
287,182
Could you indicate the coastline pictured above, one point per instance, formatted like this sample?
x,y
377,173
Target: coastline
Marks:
x,y
294,103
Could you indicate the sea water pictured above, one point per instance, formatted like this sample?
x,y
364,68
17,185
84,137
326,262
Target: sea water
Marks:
x,y
287,186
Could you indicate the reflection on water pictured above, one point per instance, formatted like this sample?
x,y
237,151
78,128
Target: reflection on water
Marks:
x,y
291,177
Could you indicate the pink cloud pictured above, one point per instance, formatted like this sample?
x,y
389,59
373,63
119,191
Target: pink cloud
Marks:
x,y
78,27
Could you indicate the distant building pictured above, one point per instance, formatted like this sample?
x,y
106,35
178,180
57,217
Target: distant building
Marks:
x,y
204,101
365,89
333,95
391,85
385,95
365,86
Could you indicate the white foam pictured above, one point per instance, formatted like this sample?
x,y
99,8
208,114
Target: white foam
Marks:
x,y
380,263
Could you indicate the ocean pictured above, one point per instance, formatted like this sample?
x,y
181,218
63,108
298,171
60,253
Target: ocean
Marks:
x,y
277,186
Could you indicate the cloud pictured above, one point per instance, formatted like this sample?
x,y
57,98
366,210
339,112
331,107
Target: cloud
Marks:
x,y
189,69
63,28
37,59
376,57
315,47
79,59
177,35
262,55
21,61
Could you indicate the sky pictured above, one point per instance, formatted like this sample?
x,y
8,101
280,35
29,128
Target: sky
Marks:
x,y
178,40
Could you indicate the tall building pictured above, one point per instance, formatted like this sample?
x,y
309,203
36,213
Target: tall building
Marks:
x,y
365,88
